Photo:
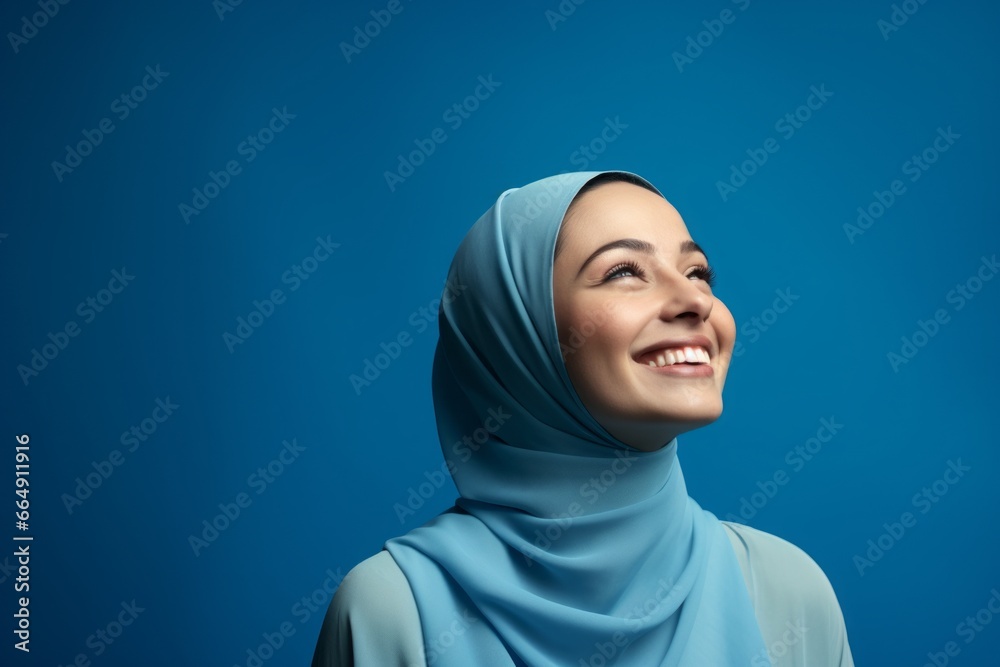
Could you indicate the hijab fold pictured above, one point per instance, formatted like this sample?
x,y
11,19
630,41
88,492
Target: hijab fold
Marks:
x,y
566,546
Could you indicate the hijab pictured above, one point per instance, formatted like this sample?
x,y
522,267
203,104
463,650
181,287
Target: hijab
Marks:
x,y
566,546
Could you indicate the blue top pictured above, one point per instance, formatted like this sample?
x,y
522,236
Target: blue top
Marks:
x,y
373,619
537,564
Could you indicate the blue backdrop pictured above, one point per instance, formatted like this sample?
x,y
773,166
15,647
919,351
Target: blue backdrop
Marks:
x,y
217,213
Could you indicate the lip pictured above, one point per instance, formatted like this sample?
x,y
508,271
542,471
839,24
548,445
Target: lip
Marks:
x,y
681,370
684,341
684,370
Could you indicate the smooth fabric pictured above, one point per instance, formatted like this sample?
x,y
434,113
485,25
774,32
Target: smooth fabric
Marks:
x,y
566,544
793,601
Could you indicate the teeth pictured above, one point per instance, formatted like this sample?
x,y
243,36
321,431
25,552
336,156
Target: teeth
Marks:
x,y
691,355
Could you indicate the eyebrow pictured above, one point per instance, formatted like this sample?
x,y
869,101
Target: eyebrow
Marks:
x,y
687,247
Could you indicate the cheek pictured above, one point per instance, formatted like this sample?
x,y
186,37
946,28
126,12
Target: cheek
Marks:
x,y
597,343
725,329
597,362
593,334
725,325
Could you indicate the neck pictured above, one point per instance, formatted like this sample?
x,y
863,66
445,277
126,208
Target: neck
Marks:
x,y
547,484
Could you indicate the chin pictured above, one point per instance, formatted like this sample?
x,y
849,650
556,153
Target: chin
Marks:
x,y
641,413
681,410
652,428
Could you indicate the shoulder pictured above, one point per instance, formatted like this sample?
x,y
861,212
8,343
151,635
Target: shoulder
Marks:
x,y
374,587
777,571
790,592
372,619
774,562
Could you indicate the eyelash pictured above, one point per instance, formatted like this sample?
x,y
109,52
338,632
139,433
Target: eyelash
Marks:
x,y
704,272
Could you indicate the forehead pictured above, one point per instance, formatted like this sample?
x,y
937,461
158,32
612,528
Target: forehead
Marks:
x,y
616,210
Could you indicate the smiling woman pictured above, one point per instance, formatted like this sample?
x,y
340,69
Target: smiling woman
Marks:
x,y
574,540
667,324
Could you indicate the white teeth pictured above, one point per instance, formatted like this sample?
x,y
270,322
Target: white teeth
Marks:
x,y
692,355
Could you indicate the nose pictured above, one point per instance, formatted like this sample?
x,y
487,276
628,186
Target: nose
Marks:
x,y
683,297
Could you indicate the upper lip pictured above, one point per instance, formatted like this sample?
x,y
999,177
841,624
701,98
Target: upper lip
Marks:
x,y
686,341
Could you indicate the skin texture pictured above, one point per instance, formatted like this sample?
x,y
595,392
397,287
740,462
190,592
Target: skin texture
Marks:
x,y
626,314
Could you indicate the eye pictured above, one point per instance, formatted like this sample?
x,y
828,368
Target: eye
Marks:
x,y
622,268
704,272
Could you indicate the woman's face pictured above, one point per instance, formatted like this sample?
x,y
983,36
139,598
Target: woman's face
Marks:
x,y
618,308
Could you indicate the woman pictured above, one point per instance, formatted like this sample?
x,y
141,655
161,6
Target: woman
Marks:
x,y
584,340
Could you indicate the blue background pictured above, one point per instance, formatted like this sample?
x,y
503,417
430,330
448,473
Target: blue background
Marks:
x,y
323,176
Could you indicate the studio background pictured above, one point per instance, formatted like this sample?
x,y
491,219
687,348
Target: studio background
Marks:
x,y
684,94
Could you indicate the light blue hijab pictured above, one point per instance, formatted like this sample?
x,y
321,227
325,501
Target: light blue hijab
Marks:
x,y
567,547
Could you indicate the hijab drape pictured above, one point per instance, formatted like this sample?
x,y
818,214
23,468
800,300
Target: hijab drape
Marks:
x,y
566,547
